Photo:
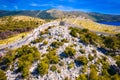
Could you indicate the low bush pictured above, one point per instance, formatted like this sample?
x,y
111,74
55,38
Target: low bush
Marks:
x,y
90,57
71,65
82,77
82,51
69,51
56,44
42,68
52,57
83,60
26,56
53,68
2,75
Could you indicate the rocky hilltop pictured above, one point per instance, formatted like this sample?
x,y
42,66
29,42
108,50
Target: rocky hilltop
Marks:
x,y
63,52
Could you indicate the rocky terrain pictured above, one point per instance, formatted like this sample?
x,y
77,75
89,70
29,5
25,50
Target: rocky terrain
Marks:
x,y
70,58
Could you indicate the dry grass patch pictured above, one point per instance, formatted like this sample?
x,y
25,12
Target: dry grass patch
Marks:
x,y
93,26
13,39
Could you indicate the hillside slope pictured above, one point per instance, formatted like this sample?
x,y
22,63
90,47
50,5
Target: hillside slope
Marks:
x,y
10,25
93,26
53,14
62,52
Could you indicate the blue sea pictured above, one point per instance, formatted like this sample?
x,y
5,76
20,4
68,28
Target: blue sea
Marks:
x,y
111,23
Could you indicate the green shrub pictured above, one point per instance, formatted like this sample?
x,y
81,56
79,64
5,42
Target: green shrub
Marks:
x,y
64,40
112,43
25,72
45,42
118,63
66,78
93,66
52,57
93,74
85,30
73,33
37,40
115,77
61,63
45,60
118,35
80,46
90,57
2,75
82,51
58,71
42,68
104,78
8,58
53,68
84,69
104,58
56,44
71,65
82,60
94,51
86,36
17,26
82,77
26,56
69,51
105,73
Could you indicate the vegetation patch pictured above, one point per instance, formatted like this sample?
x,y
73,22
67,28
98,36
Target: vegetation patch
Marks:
x,y
69,51
53,68
56,44
2,75
43,68
111,43
83,60
11,25
93,26
26,56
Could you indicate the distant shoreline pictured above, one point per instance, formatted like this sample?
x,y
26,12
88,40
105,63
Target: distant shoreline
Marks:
x,y
110,23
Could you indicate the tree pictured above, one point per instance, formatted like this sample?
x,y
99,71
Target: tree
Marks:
x,y
2,75
42,68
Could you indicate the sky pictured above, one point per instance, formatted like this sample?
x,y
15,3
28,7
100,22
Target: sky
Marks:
x,y
101,6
